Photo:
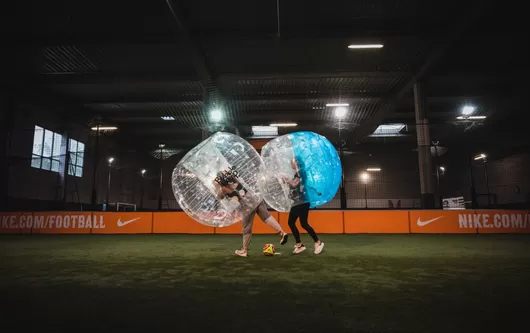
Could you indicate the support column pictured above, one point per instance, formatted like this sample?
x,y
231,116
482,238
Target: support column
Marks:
x,y
64,166
94,196
424,147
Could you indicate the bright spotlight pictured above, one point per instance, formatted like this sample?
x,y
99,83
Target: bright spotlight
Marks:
x,y
143,172
216,115
442,168
111,160
480,157
340,112
467,110
365,177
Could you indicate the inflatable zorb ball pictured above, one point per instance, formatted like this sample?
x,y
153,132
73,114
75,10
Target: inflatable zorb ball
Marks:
x,y
313,157
217,182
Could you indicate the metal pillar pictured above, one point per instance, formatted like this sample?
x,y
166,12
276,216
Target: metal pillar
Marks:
x,y
94,176
142,192
424,147
64,165
487,182
474,202
108,185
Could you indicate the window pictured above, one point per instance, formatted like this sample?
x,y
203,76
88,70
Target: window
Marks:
x,y
77,155
46,149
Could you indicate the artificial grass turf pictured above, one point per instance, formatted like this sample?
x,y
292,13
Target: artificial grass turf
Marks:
x,y
194,283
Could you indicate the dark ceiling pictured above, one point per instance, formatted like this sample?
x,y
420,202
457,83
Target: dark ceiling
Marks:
x,y
130,62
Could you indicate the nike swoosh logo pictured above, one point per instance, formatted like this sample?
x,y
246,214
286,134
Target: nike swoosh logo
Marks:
x,y
124,223
424,223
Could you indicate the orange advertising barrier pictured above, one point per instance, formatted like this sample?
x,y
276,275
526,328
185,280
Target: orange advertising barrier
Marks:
x,y
442,222
61,223
324,222
258,144
501,221
178,223
122,223
15,223
376,222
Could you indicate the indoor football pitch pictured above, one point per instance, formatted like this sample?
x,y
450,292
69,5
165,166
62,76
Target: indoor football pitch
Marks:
x,y
195,283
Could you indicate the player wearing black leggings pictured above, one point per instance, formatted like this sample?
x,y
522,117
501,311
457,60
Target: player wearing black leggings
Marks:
x,y
301,212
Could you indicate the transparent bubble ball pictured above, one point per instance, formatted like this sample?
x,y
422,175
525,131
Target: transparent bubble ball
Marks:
x,y
218,181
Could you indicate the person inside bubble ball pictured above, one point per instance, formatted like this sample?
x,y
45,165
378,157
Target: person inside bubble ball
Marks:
x,y
230,187
300,211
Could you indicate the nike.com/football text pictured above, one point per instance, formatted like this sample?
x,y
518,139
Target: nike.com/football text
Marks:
x,y
53,221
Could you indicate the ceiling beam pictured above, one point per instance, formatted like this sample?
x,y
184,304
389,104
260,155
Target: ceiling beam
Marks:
x,y
466,21
209,79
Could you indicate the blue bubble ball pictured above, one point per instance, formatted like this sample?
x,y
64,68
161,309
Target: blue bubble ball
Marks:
x,y
312,158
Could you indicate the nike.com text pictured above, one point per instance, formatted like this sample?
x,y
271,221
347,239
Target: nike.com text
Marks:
x,y
518,221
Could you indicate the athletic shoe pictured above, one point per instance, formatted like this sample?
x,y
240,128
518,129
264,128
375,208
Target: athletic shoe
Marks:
x,y
299,249
319,247
284,238
241,253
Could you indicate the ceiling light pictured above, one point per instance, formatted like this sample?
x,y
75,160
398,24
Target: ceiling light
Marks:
x,y
104,128
467,110
365,46
470,117
480,157
364,177
265,131
389,130
337,104
167,118
373,169
284,125
340,112
216,115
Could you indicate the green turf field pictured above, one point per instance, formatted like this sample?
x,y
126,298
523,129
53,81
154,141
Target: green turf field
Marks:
x,y
180,283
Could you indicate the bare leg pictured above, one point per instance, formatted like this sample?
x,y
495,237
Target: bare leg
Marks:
x,y
269,220
247,230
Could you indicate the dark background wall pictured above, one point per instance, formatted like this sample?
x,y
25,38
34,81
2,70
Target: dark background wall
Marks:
x,y
395,186
32,188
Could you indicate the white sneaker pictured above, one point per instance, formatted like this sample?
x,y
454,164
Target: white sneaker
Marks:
x,y
319,247
284,238
299,249
241,253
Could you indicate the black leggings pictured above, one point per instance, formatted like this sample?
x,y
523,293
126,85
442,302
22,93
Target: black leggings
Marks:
x,y
301,211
